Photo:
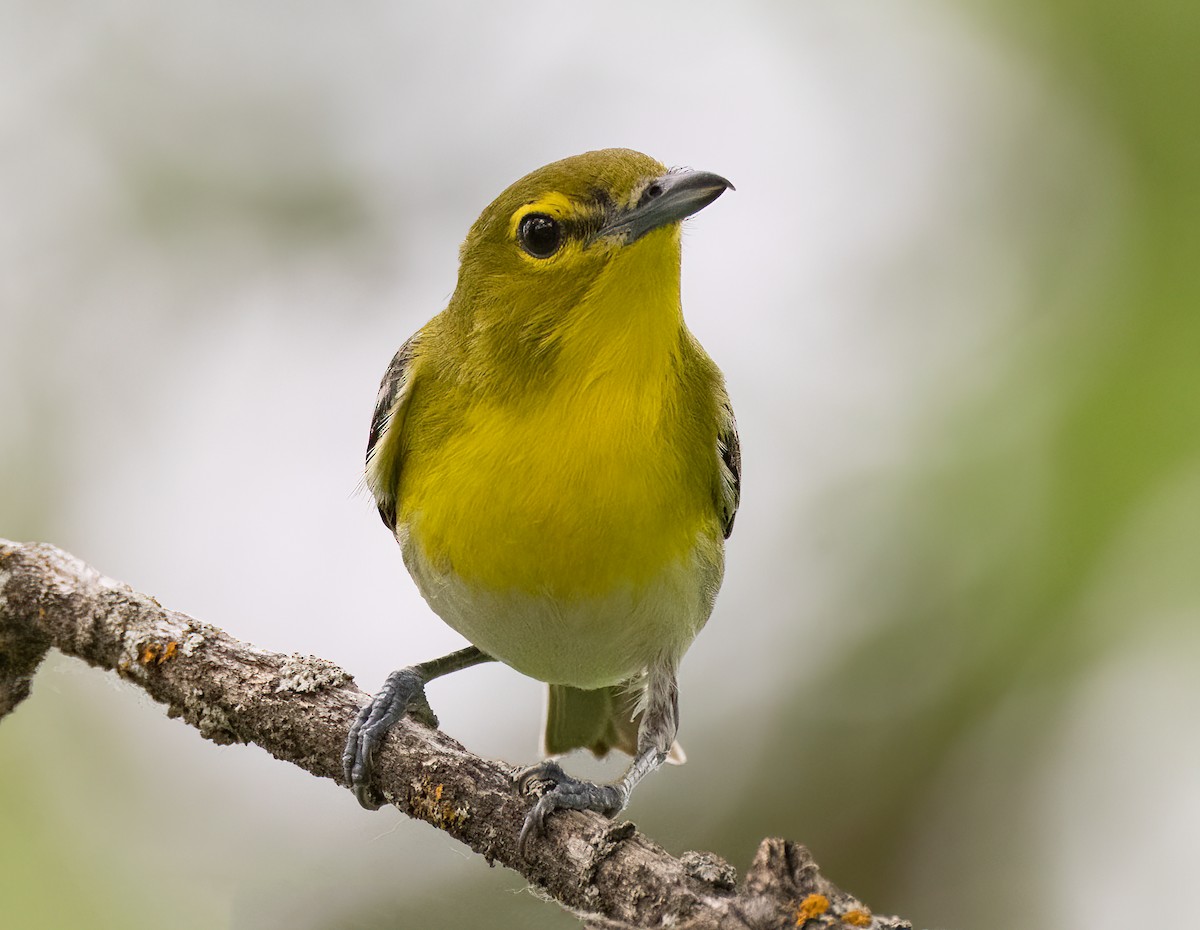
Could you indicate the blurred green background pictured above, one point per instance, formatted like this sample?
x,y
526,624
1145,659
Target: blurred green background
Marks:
x,y
955,296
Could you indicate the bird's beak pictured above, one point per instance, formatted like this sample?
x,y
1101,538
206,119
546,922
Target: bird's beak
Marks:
x,y
669,199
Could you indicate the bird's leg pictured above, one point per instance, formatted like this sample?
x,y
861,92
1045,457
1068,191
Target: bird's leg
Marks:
x,y
656,734
402,693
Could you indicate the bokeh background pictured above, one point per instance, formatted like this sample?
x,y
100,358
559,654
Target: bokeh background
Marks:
x,y
956,299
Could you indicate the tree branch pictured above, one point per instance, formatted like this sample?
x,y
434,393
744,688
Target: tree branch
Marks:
x,y
299,709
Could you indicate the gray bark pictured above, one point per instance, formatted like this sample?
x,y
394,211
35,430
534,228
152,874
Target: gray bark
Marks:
x,y
299,708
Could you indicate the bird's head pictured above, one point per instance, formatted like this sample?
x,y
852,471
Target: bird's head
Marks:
x,y
542,251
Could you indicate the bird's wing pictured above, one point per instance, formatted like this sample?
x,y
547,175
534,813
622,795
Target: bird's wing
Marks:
x,y
387,423
729,449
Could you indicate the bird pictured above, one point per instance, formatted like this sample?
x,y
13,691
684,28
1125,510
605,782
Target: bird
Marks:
x,y
558,459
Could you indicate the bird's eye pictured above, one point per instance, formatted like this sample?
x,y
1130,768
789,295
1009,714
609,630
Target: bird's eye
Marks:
x,y
539,235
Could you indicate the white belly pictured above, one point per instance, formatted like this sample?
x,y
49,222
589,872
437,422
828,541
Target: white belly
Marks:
x,y
586,642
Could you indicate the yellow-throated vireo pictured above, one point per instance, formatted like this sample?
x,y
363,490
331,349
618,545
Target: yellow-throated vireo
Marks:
x,y
558,459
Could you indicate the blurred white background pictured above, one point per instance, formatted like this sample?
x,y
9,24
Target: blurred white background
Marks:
x,y
956,651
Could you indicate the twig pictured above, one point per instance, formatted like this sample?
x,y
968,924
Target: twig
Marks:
x,y
299,709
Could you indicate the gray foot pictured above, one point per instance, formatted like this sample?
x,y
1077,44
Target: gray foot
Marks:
x,y
402,693
562,792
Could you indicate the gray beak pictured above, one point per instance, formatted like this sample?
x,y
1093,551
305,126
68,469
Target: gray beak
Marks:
x,y
669,199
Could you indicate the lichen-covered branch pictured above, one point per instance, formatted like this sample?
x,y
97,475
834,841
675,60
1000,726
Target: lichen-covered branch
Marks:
x,y
299,709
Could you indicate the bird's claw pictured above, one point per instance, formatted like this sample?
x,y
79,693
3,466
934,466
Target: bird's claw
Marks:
x,y
548,774
402,693
559,791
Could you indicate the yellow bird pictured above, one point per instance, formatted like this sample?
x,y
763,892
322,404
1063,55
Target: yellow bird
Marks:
x,y
558,460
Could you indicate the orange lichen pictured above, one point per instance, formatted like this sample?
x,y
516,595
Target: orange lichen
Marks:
x,y
427,803
155,654
813,906
857,918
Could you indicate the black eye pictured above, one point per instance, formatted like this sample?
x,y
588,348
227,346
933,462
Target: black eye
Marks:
x,y
539,235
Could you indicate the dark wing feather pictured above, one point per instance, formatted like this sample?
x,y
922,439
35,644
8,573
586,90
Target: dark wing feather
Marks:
x,y
383,454
730,450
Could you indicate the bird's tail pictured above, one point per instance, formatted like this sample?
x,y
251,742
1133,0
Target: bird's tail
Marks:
x,y
598,720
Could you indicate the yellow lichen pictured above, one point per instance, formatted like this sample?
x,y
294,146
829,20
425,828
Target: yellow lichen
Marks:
x,y
813,906
857,918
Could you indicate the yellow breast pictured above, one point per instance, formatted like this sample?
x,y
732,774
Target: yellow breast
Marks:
x,y
580,491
